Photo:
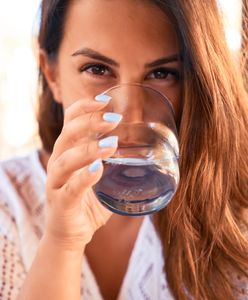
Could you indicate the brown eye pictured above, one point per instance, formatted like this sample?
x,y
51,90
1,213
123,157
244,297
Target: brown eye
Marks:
x,y
96,69
164,74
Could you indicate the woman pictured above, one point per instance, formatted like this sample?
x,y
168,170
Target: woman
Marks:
x,y
85,251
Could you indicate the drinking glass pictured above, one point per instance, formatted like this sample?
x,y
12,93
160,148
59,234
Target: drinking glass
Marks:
x,y
143,174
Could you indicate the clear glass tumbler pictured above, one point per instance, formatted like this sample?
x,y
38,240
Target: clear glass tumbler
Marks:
x,y
143,174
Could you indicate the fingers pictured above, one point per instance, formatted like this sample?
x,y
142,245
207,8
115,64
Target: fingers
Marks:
x,y
79,157
81,128
76,161
84,106
74,188
87,126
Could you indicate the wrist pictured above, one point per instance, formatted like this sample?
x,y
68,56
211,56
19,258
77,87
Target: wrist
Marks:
x,y
62,247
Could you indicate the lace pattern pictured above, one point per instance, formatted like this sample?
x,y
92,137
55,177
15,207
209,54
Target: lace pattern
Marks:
x,y
22,198
22,222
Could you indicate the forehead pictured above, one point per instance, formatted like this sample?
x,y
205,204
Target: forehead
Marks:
x,y
120,25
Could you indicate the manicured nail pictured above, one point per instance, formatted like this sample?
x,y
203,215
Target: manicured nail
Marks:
x,y
108,142
103,98
112,117
95,166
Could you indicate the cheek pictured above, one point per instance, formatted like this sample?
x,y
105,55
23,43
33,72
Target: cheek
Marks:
x,y
71,86
75,86
174,95
177,104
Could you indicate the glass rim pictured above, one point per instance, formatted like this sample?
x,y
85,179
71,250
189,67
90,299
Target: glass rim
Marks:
x,y
144,86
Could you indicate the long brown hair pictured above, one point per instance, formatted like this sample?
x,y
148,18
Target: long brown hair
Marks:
x,y
203,228
244,52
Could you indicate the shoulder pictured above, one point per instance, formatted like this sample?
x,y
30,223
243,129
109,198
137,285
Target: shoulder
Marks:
x,y
17,165
22,182
12,173
17,169
15,222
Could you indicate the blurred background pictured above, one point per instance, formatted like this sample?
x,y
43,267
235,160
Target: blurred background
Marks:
x,y
19,21
18,76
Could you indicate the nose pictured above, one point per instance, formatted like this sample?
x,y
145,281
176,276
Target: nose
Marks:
x,y
130,102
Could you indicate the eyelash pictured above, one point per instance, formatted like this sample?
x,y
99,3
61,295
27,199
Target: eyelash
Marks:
x,y
87,67
167,71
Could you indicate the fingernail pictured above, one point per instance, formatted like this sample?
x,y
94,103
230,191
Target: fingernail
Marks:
x,y
108,142
103,98
95,166
112,117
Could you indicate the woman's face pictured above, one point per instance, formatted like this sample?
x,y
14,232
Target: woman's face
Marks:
x,y
110,42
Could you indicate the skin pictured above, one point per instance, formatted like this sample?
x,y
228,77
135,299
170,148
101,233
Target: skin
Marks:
x,y
123,32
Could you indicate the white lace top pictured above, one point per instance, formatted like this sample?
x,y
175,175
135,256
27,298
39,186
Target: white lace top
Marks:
x,y
22,197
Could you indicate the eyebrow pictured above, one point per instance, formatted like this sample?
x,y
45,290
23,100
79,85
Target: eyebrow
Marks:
x,y
164,60
98,56
95,55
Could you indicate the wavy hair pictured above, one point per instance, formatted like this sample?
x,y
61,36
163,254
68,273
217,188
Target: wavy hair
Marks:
x,y
203,229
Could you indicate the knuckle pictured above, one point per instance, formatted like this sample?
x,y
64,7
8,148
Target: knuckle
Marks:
x,y
73,110
61,163
66,130
87,109
88,152
93,121
51,193
91,124
70,139
68,113
98,124
70,190
90,117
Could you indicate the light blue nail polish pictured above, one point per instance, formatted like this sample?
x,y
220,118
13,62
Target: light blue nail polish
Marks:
x,y
103,98
112,117
108,142
95,166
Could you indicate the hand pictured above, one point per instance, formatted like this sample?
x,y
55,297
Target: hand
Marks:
x,y
73,211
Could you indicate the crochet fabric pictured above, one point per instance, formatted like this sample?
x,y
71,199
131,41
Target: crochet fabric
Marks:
x,y
22,198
